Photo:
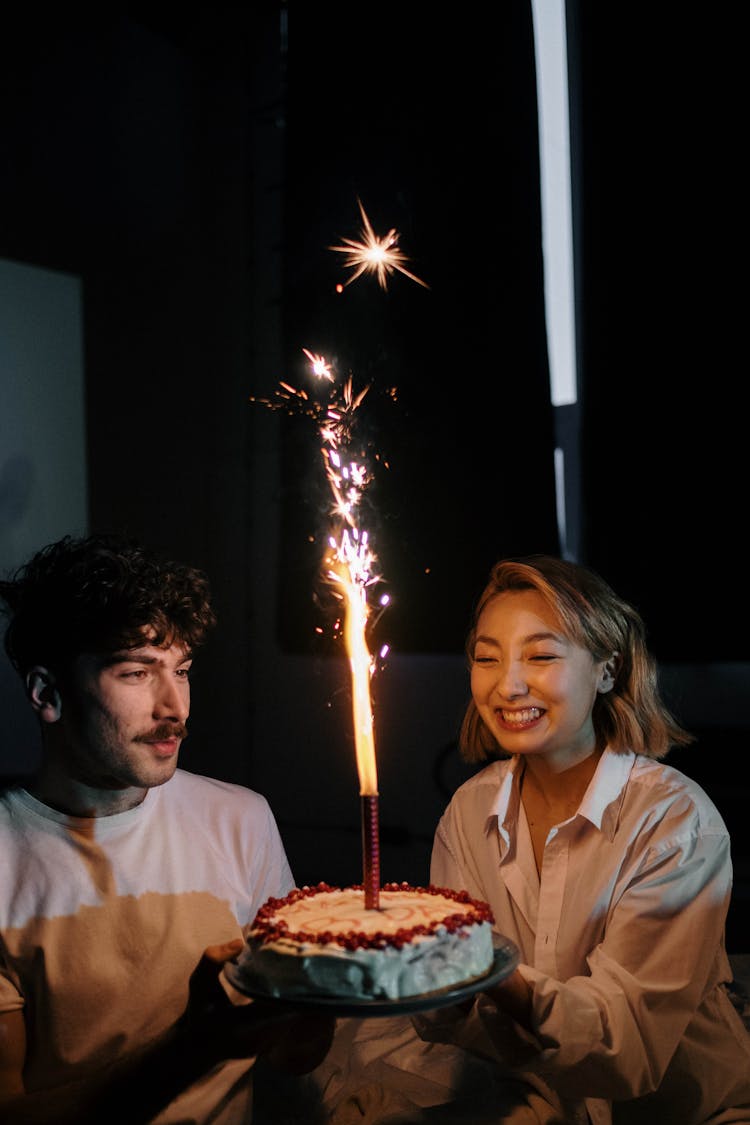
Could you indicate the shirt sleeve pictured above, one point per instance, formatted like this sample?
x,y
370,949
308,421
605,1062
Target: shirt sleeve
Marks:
x,y
612,1030
615,1030
270,871
453,863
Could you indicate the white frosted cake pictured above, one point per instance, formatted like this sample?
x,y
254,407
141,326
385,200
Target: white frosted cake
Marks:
x,y
321,941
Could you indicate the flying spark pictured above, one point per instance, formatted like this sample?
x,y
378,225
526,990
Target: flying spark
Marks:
x,y
348,477
320,367
380,256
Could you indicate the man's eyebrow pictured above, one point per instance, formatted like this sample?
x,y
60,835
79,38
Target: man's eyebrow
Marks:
x,y
126,656
131,656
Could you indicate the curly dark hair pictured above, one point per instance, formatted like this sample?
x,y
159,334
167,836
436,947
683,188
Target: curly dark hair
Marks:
x,y
101,593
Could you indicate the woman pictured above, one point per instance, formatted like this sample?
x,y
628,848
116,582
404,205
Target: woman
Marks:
x,y
609,870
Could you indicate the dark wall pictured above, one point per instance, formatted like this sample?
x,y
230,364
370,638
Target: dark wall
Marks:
x,y
431,124
136,152
127,158
659,110
194,171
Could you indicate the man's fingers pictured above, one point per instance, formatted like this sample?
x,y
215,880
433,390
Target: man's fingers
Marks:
x,y
225,951
205,990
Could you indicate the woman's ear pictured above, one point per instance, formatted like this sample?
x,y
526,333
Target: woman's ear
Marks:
x,y
608,673
43,693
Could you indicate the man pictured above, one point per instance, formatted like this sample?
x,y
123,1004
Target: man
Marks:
x,y
125,882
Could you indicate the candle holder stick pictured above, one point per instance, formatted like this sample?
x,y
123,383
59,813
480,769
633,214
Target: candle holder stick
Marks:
x,y
370,850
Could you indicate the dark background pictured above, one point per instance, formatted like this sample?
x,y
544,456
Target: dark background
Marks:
x,y
432,125
193,167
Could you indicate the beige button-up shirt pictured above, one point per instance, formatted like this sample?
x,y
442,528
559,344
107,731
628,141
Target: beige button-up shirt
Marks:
x,y
621,939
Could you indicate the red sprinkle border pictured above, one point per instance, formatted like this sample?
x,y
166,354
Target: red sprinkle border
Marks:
x,y
266,928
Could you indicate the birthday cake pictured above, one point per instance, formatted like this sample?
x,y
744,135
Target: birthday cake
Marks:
x,y
322,941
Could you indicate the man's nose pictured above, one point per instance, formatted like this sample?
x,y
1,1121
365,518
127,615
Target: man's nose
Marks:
x,y
172,699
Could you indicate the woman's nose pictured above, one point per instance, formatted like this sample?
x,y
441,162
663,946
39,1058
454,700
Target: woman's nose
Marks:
x,y
510,681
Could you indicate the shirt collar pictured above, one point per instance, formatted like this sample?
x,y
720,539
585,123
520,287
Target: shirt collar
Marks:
x,y
600,805
606,791
505,806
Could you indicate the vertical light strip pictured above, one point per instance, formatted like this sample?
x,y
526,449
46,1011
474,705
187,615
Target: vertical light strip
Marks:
x,y
551,55
560,482
550,47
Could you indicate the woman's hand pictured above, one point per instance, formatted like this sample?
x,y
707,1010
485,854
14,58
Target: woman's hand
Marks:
x,y
513,995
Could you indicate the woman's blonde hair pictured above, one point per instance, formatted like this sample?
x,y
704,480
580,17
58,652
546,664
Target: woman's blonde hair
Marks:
x,y
632,716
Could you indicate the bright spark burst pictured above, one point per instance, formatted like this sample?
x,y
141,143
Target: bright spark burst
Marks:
x,y
319,366
334,418
348,476
350,561
380,256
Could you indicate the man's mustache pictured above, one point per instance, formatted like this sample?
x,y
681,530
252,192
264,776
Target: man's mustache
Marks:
x,y
163,732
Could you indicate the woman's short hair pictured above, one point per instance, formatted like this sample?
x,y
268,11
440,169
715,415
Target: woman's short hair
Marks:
x,y
632,716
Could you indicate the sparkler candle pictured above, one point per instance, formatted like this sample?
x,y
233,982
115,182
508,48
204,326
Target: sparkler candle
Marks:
x,y
351,570
350,559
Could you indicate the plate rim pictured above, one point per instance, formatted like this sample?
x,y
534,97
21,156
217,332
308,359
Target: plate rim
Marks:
x,y
505,958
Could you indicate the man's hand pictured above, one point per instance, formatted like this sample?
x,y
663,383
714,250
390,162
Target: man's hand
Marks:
x,y
291,1038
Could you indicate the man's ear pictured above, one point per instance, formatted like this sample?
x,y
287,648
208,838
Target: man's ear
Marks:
x,y
44,694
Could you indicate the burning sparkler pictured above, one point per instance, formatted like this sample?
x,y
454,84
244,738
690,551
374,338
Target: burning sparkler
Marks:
x,y
350,569
380,256
350,560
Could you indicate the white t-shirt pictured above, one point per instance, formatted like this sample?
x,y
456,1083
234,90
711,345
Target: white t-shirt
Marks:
x,y
622,938
102,921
